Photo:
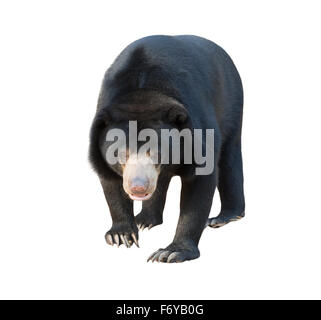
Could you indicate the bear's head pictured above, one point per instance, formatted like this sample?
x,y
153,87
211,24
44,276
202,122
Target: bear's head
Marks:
x,y
126,139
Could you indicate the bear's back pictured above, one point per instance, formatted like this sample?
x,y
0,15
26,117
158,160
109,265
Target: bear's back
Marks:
x,y
195,71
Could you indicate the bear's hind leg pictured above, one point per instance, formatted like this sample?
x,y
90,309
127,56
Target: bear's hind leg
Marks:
x,y
230,186
152,209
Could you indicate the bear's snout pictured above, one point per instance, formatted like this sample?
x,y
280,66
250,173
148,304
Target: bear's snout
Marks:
x,y
140,189
139,177
138,186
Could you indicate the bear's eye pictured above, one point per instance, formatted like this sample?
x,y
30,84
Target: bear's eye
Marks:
x,y
123,156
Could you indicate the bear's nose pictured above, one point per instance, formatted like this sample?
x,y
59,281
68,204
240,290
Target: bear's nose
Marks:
x,y
139,186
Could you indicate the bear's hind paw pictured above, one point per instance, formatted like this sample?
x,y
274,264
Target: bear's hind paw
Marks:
x,y
221,221
144,220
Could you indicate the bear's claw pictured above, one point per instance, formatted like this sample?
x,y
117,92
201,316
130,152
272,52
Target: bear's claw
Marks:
x,y
142,226
119,239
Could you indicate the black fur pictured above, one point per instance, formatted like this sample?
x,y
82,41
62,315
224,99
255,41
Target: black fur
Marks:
x,y
181,81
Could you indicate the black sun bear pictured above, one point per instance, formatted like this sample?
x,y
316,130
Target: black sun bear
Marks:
x,y
166,83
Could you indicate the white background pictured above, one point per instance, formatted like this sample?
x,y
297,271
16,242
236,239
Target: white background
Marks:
x,y
53,215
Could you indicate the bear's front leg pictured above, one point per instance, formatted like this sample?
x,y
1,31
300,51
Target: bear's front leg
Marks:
x,y
124,229
196,201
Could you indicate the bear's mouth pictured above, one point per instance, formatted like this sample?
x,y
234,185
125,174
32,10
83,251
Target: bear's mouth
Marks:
x,y
142,197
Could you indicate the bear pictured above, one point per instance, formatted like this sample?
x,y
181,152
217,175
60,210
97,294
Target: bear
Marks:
x,y
162,83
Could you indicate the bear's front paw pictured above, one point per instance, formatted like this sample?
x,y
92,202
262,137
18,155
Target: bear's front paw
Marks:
x,y
176,252
121,233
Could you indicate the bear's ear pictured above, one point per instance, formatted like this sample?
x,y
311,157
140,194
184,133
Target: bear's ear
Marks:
x,y
177,114
103,118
